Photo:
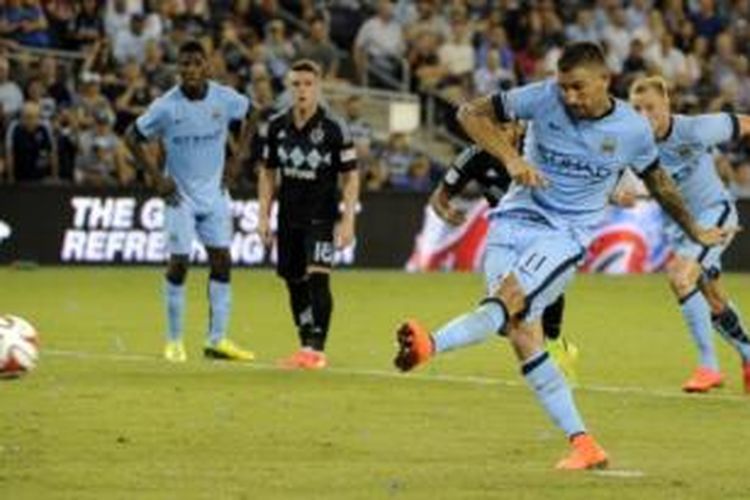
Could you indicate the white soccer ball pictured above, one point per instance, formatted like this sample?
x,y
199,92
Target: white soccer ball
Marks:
x,y
19,346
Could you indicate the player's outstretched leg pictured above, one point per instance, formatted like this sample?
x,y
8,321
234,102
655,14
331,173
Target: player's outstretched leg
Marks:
x,y
416,345
564,352
174,294
220,299
727,320
554,394
683,277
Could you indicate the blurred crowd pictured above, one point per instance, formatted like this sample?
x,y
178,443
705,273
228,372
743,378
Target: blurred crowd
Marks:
x,y
75,73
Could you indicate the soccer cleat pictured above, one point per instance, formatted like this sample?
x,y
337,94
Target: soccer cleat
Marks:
x,y
565,355
306,359
586,454
225,349
174,352
415,346
746,376
703,379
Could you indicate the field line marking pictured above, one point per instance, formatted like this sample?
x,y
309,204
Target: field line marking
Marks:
x,y
436,377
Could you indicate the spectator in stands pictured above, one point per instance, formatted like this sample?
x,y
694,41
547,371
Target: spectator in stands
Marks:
x,y
117,18
60,14
11,96
492,77
54,85
28,23
194,16
424,63
88,26
361,130
584,29
99,59
234,51
696,61
155,69
103,159
318,47
379,48
279,50
669,60
131,43
30,147
635,63
637,13
722,62
617,37
427,20
36,92
375,173
67,143
707,20
397,155
133,96
417,177
90,99
457,54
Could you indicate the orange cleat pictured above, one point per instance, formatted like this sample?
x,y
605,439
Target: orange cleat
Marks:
x,y
703,380
305,359
415,346
586,454
746,376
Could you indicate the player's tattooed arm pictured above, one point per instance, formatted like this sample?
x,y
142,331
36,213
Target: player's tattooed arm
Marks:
x,y
664,190
480,122
150,161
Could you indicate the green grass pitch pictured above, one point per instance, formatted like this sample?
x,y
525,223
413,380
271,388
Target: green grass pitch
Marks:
x,y
103,417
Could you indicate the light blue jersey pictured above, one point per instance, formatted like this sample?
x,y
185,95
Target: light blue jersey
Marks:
x,y
582,159
194,135
687,154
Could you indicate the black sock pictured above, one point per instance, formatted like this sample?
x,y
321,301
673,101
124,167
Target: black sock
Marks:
x,y
322,306
552,319
299,300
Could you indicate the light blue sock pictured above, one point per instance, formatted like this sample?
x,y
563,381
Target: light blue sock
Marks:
x,y
553,392
697,315
471,328
729,325
220,301
175,298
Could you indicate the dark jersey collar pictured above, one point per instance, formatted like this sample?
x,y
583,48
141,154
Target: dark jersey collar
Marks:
x,y
669,131
314,119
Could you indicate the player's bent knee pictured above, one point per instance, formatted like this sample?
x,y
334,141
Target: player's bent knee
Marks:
x,y
220,262
512,295
177,269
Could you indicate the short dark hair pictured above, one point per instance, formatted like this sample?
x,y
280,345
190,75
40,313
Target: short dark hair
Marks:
x,y
192,47
579,54
307,65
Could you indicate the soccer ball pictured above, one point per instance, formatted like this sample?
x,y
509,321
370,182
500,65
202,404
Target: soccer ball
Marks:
x,y
19,346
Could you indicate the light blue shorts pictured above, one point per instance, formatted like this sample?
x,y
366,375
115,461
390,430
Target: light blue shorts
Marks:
x,y
212,227
541,257
723,214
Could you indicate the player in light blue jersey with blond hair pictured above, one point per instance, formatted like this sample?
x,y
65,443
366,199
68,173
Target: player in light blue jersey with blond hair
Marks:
x,y
686,145
192,122
579,142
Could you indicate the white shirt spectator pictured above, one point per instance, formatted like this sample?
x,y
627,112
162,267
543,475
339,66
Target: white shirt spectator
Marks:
x,y
11,98
130,45
380,38
671,63
457,57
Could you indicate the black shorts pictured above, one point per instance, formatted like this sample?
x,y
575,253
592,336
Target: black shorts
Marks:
x,y
302,246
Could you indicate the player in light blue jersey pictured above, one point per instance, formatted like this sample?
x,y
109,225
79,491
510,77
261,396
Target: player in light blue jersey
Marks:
x,y
192,121
579,141
686,150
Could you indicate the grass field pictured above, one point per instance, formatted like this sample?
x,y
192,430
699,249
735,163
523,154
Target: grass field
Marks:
x,y
103,417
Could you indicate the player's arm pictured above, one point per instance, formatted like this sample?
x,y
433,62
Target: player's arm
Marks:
x,y
349,198
349,176
266,182
481,122
138,145
239,150
665,192
454,180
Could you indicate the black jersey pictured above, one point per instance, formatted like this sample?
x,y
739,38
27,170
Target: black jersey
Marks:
x,y
475,164
309,160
